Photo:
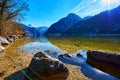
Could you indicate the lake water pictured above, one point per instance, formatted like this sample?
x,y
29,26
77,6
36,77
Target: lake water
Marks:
x,y
48,46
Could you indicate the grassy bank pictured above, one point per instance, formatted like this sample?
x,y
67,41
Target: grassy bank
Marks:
x,y
73,44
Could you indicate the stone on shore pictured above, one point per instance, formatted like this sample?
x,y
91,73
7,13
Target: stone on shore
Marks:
x,y
48,68
3,41
1,47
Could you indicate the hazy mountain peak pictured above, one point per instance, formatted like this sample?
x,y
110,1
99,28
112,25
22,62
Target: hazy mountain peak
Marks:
x,y
30,25
73,15
64,24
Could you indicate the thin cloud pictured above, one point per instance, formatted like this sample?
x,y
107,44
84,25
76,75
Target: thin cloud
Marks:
x,y
93,7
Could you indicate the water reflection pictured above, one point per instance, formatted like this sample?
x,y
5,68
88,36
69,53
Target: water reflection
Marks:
x,y
42,44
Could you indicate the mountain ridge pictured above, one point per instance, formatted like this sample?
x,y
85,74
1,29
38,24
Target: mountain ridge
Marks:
x,y
107,22
63,24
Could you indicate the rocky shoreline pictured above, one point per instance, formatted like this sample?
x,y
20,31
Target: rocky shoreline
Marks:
x,y
8,39
49,68
75,67
75,63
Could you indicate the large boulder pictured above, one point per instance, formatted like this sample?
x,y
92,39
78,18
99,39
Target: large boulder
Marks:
x,y
48,68
108,62
3,41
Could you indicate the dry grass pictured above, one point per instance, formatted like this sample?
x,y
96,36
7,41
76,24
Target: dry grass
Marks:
x,y
13,60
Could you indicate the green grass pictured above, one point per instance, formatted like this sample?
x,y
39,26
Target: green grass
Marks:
x,y
73,44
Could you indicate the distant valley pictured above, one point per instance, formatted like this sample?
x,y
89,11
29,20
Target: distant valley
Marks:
x,y
34,31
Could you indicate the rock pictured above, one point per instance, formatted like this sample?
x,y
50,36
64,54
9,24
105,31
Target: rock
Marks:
x,y
20,36
65,55
12,38
79,55
3,41
15,37
1,48
48,68
9,39
105,61
23,34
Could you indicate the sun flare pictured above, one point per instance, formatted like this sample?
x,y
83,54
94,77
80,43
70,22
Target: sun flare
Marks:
x,y
108,2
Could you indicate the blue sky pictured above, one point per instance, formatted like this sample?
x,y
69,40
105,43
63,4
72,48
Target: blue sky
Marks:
x,y
46,12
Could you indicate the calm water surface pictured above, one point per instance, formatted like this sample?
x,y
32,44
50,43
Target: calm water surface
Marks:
x,y
42,44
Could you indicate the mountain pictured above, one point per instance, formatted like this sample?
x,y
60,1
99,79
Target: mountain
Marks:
x,y
107,22
41,30
87,17
34,31
63,24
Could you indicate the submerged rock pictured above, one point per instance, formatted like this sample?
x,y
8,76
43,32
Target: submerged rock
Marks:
x,y
9,39
79,55
48,68
65,55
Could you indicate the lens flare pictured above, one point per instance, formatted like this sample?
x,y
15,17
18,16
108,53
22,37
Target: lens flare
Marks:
x,y
108,2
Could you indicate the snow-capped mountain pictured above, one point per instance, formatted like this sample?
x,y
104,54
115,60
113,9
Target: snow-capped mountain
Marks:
x,y
35,31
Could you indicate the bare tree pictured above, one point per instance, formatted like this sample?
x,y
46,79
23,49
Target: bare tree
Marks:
x,y
12,10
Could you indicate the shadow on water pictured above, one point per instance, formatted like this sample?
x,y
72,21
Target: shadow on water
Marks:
x,y
42,44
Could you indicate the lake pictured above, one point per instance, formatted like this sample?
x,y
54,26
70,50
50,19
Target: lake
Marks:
x,y
55,46
74,45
